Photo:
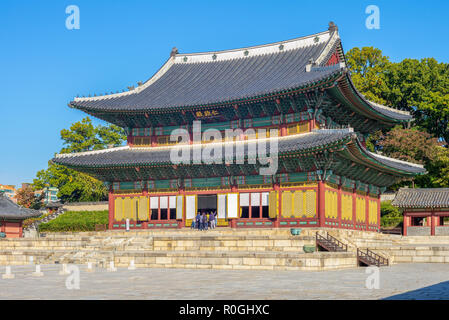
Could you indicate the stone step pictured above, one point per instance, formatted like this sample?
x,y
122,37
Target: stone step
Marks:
x,y
196,259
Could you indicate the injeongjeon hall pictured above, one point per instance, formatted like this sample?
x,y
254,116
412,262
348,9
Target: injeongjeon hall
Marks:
x,y
299,90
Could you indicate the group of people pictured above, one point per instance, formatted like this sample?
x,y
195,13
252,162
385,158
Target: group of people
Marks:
x,y
204,220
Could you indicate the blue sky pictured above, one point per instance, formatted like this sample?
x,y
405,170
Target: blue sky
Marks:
x,y
43,65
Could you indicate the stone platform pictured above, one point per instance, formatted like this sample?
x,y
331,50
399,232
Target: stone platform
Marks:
x,y
221,248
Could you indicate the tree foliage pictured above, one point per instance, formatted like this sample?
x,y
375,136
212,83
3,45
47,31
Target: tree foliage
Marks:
x,y
418,86
368,67
75,186
26,198
410,145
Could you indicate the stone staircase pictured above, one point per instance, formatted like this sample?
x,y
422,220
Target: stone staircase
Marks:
x,y
222,248
33,228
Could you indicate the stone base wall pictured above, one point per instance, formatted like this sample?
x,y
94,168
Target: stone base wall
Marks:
x,y
418,231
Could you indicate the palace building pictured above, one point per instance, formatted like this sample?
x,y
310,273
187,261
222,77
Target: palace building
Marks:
x,y
293,97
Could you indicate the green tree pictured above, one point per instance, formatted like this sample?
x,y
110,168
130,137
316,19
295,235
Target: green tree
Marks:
x,y
368,66
410,145
422,87
439,169
418,86
75,186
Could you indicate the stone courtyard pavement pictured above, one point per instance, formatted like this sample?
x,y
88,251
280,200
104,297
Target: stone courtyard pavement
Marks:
x,y
404,281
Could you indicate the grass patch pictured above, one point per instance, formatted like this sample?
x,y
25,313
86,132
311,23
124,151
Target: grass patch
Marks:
x,y
75,221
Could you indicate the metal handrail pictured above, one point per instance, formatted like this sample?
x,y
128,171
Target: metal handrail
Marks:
x,y
370,254
333,240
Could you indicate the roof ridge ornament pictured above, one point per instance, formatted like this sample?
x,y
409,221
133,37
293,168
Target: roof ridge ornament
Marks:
x,y
174,52
332,27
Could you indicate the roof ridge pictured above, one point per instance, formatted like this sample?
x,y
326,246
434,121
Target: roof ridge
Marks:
x,y
222,55
260,49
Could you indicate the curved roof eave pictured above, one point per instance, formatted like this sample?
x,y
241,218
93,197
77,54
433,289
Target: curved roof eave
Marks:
x,y
391,165
387,113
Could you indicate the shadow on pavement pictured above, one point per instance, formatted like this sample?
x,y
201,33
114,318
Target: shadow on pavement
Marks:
x,y
439,291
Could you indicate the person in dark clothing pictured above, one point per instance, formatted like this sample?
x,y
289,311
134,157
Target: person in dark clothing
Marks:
x,y
212,220
198,221
204,221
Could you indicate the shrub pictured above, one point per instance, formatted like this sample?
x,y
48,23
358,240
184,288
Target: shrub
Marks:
x,y
75,221
391,216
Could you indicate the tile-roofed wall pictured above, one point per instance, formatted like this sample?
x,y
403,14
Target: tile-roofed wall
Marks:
x,y
422,198
10,210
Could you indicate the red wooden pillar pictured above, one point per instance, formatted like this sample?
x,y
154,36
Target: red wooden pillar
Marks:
x,y
339,205
283,130
432,223
366,211
20,229
234,221
153,141
260,205
130,140
159,208
111,208
277,188
145,194
182,192
321,205
405,224
378,212
354,208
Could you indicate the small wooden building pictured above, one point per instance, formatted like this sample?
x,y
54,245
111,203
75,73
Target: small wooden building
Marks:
x,y
424,210
12,216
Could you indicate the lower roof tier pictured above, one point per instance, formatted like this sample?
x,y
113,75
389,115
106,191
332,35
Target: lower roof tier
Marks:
x,y
325,150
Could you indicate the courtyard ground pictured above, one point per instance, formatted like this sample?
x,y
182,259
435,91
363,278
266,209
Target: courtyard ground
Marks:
x,y
403,281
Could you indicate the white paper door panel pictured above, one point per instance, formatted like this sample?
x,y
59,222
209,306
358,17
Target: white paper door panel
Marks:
x,y
255,199
154,202
179,207
164,202
265,198
172,202
190,207
232,205
244,199
222,206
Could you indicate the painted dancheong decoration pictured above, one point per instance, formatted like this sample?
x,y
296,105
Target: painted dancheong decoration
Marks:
x,y
301,89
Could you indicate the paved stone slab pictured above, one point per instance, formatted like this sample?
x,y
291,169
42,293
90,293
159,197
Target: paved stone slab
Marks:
x,y
404,281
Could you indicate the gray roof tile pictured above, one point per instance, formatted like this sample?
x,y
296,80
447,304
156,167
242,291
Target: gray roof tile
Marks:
x,y
10,210
124,156
422,198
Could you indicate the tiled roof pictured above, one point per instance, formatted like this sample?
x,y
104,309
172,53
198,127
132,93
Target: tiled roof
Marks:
x,y
190,80
10,210
154,155
126,156
201,80
422,198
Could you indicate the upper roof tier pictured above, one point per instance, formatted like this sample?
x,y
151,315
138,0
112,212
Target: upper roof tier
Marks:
x,y
221,78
